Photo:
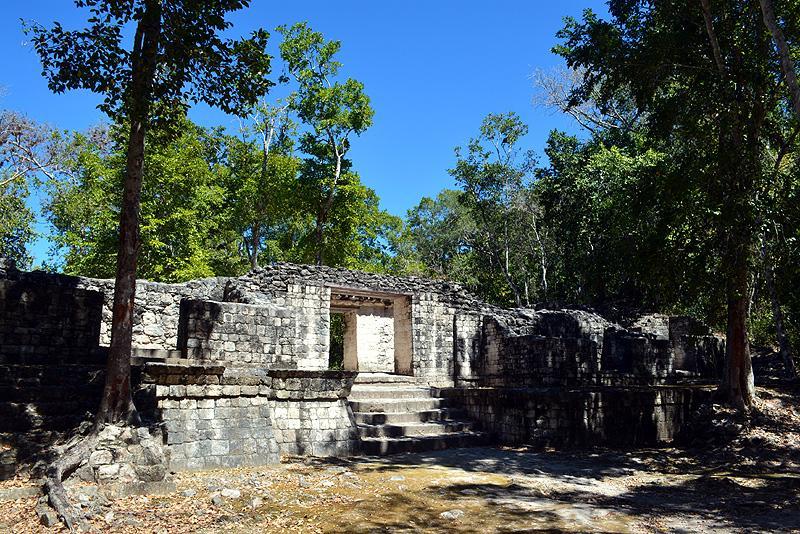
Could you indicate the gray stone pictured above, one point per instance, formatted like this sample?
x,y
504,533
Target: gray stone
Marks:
x,y
257,346
231,493
452,515
48,518
108,471
100,457
12,494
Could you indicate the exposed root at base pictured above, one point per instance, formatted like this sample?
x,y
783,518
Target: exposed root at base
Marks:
x,y
68,461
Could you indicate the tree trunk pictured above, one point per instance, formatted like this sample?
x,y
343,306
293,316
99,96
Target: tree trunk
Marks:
x,y
542,256
737,385
255,244
787,65
322,214
117,403
319,238
265,146
784,345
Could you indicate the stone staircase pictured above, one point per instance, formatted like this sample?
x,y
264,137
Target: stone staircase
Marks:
x,y
395,414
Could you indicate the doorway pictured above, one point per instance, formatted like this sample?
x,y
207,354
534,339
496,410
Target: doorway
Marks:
x,y
370,331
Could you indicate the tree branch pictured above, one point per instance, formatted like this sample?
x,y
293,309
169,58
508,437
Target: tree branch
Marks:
x,y
712,37
787,65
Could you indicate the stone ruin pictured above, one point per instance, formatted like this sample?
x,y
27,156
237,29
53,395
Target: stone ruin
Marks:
x,y
235,371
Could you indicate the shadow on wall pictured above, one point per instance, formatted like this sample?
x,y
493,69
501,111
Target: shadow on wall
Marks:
x,y
200,318
51,364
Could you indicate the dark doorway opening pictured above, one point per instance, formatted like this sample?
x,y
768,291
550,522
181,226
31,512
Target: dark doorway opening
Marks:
x,y
336,342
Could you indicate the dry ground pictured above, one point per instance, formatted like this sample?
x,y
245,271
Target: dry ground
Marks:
x,y
738,476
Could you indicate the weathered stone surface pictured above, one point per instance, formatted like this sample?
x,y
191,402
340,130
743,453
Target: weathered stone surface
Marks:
x,y
239,372
48,518
12,494
554,416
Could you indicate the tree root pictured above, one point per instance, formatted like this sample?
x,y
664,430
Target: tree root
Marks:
x,y
68,459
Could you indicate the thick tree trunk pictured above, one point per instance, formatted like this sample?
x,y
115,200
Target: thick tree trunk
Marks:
x,y
117,404
738,386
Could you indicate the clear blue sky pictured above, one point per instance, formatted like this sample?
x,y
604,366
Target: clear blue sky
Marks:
x,y
433,69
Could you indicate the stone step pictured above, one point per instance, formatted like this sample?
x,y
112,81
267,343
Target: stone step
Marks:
x,y
397,405
140,355
384,378
412,429
363,392
156,354
422,416
386,446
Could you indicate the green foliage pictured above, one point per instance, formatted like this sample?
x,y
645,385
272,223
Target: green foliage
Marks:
x,y
263,197
16,222
493,175
436,240
332,111
186,228
194,64
336,334
202,192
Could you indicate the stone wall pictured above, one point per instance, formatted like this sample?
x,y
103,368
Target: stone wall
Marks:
x,y
646,357
237,408
568,417
311,306
534,360
468,350
51,367
369,338
48,321
311,414
432,338
559,348
157,309
238,334
375,338
229,417
423,322
403,331
350,341
430,319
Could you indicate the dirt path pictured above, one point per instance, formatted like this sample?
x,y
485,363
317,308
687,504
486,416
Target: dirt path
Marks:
x,y
467,490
